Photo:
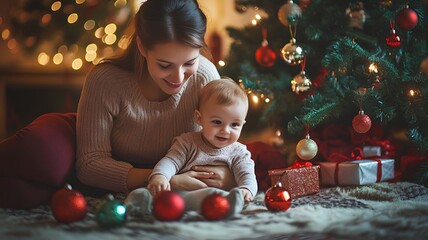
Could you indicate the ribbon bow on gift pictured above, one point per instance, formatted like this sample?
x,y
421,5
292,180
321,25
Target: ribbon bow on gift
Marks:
x,y
300,164
357,154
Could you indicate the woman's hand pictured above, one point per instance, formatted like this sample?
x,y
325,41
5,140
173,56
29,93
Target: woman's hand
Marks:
x,y
191,180
221,178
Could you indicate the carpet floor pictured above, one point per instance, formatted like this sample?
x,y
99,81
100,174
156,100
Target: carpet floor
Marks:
x,y
377,211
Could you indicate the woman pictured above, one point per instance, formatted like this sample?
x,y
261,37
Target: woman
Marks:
x,y
131,108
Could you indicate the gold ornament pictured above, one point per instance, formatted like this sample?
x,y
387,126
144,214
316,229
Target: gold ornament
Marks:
x,y
301,83
306,148
292,53
357,16
289,12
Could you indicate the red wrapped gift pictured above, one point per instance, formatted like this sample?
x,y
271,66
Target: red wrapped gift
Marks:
x,y
297,180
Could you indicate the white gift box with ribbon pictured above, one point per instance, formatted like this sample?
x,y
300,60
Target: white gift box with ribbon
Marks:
x,y
359,172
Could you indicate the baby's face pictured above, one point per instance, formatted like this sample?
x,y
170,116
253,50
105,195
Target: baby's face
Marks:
x,y
222,124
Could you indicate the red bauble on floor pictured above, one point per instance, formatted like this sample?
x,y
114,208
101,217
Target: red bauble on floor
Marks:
x,y
68,205
215,207
277,198
168,206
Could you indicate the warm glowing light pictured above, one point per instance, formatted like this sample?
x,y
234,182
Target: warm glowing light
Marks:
x,y
58,58
91,47
123,42
43,58
99,33
221,63
412,92
267,100
89,25
255,99
77,64
5,34
46,19
373,68
110,39
12,44
90,56
258,17
254,22
56,6
72,18
80,1
278,133
120,3
110,28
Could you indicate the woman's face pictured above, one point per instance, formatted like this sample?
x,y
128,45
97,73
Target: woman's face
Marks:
x,y
171,64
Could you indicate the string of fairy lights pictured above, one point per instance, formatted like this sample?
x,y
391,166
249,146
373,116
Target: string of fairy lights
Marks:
x,y
96,26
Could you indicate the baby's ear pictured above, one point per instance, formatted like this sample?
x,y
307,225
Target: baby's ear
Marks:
x,y
197,117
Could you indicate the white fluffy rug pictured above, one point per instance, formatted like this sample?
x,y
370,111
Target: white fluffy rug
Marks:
x,y
378,211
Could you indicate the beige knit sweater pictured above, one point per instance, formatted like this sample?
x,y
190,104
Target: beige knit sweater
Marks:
x,y
118,128
189,149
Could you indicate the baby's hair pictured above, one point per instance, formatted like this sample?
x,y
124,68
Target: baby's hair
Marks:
x,y
224,89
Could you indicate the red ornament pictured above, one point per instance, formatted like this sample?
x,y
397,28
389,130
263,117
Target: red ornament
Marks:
x,y
265,56
407,18
68,205
277,198
393,40
215,207
361,123
168,206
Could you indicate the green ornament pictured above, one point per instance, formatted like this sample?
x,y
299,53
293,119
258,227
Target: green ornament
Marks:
x,y
111,213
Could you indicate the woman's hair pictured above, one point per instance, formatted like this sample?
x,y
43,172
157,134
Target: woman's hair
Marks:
x,y
162,21
225,90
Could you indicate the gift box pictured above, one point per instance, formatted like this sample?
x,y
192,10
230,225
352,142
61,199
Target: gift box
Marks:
x,y
360,172
372,151
298,181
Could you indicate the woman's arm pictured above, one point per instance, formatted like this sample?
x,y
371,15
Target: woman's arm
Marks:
x,y
138,177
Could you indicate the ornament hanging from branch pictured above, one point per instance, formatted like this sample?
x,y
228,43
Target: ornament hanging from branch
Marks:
x,y
291,52
361,122
306,148
407,18
357,15
289,13
301,82
265,56
393,40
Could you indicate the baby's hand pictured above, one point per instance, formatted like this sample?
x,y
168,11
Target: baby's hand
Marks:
x,y
158,183
248,197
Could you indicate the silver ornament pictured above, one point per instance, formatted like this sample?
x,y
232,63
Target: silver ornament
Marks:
x,y
306,148
301,83
292,53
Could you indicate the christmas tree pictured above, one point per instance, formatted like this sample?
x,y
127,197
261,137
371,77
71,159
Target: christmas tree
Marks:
x,y
322,64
